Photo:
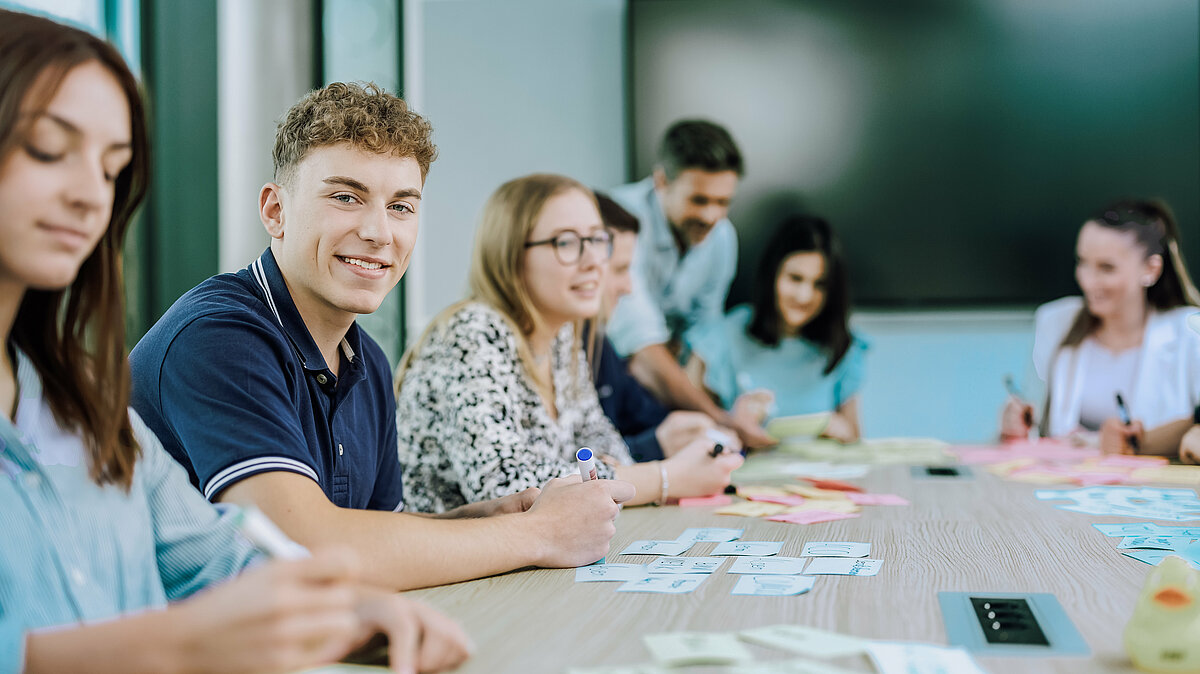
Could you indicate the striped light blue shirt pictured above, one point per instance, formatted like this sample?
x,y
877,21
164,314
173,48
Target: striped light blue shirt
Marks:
x,y
74,552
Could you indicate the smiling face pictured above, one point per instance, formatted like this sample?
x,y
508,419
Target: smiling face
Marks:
x,y
343,229
57,183
561,292
1113,271
800,290
695,201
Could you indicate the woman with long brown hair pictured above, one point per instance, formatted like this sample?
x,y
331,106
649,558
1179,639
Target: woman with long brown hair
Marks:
x,y
99,528
1127,335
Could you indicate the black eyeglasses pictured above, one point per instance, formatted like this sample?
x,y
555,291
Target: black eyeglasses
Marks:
x,y
568,246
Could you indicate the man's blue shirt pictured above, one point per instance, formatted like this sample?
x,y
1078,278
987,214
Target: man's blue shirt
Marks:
x,y
232,383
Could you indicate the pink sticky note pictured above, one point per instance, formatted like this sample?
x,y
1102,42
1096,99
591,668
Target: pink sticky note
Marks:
x,y
875,499
782,499
811,517
714,500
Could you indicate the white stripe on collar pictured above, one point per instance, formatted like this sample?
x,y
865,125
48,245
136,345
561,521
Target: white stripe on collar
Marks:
x,y
260,275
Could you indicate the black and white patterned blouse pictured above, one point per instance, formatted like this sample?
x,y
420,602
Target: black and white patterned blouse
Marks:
x,y
472,426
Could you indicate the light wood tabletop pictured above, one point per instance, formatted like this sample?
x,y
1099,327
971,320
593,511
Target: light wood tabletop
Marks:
x,y
976,534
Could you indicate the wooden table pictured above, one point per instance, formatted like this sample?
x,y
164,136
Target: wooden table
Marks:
x,y
978,534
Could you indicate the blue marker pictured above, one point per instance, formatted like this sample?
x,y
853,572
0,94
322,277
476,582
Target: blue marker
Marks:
x,y
587,464
1124,412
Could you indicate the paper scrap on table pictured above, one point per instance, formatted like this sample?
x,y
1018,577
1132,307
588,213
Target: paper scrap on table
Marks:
x,y
701,501
826,470
748,548
1130,529
1173,474
828,506
805,640
835,549
665,584
1150,502
784,500
619,669
798,425
834,485
768,565
657,548
876,499
685,565
710,535
750,509
815,494
1155,542
789,667
609,572
752,490
773,585
911,658
811,517
682,649
1155,557
841,566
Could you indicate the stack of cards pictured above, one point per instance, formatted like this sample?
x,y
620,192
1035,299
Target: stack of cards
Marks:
x,y
1151,543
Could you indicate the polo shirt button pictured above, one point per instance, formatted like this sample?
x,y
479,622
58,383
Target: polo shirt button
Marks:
x,y
339,449
322,379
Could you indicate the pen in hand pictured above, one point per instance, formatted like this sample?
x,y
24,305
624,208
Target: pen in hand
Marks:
x,y
1124,412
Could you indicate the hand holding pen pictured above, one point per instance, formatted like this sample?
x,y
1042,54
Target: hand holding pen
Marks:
x,y
1016,420
1123,436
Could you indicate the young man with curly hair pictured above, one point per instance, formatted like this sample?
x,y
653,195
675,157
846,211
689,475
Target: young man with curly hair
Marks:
x,y
264,387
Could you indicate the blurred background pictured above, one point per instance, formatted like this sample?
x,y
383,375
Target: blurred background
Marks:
x,y
956,145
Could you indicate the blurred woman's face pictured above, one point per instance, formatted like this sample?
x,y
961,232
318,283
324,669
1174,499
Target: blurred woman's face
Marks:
x,y
57,183
571,290
1112,270
800,289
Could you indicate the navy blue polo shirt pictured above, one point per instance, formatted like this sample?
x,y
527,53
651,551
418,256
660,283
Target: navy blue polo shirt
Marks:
x,y
633,410
232,383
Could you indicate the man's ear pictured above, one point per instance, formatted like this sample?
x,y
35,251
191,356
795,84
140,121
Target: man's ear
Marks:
x,y
660,178
270,209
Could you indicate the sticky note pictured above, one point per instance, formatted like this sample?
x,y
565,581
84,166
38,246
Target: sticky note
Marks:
x,y
701,501
657,548
814,493
683,649
609,572
811,517
832,484
805,640
685,565
788,667
876,499
1130,529
826,506
910,658
835,549
1155,542
665,584
749,548
620,669
768,565
773,585
838,566
750,491
751,509
710,535
786,499
799,425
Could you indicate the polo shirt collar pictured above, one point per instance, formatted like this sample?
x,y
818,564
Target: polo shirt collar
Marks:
x,y
269,278
660,229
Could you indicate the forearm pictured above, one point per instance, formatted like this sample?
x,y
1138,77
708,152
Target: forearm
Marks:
x,y
141,643
656,369
646,479
1164,440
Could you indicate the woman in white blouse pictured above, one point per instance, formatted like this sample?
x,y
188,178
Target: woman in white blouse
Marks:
x,y
496,396
1127,335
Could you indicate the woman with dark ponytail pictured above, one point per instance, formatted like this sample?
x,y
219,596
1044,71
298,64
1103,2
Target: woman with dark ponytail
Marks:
x,y
1126,336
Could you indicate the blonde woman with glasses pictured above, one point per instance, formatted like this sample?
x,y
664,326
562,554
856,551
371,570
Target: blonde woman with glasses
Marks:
x,y
496,396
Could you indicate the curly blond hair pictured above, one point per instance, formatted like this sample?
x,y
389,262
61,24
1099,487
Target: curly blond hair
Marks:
x,y
363,115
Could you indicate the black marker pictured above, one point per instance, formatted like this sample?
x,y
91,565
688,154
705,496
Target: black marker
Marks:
x,y
716,450
1012,391
1121,409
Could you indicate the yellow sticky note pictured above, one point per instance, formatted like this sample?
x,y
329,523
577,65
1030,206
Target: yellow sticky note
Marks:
x,y
682,649
831,506
760,490
751,509
814,493
1172,474
1038,477
1006,467
805,640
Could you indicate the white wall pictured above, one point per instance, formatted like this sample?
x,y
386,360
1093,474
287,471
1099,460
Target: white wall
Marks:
x,y
511,88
